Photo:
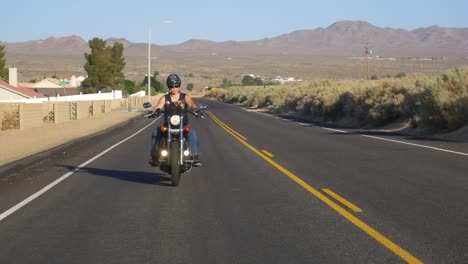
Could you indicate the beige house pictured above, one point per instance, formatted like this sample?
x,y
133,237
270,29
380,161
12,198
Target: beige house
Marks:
x,y
11,90
52,87
46,83
71,81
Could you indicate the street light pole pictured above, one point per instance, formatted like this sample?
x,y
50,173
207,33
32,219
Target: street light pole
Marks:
x,y
149,63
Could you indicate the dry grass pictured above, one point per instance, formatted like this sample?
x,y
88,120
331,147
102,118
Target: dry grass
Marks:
x,y
433,103
211,70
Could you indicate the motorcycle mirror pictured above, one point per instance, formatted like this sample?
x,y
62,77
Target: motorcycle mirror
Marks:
x,y
147,105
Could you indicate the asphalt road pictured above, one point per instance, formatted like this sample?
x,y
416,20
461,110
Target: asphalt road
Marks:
x,y
266,193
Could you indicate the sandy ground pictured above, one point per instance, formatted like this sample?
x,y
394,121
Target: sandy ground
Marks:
x,y
18,144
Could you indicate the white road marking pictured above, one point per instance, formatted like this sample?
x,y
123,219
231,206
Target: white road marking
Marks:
x,y
380,138
63,177
418,145
398,141
336,130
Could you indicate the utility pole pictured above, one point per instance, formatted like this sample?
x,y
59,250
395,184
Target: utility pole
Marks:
x,y
368,52
149,63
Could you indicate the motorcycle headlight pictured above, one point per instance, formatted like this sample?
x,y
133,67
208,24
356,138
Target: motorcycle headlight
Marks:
x,y
175,120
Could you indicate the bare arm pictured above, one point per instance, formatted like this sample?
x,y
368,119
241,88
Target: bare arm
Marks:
x,y
190,102
160,103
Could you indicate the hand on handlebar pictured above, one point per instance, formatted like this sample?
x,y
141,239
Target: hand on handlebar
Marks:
x,y
154,114
199,113
157,112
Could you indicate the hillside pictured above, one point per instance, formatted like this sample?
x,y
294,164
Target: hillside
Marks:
x,y
307,54
344,38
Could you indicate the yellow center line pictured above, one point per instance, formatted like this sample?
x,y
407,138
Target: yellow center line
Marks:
x,y
405,255
268,153
225,126
343,200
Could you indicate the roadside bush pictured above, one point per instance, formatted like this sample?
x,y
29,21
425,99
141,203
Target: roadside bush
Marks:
x,y
433,103
444,106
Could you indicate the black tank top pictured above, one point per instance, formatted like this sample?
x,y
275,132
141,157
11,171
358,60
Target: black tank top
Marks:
x,y
169,104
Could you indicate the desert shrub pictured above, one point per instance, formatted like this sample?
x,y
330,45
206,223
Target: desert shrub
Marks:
x,y
444,106
430,109
291,101
434,103
400,75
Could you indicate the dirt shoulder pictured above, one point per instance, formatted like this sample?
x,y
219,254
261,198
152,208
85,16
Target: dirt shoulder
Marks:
x,y
18,144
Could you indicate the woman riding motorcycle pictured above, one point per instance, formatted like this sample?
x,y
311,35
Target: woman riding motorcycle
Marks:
x,y
175,98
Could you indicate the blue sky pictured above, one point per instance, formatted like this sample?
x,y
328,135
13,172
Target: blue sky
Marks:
x,y
174,22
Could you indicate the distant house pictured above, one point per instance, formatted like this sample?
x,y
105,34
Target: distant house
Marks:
x,y
46,83
285,80
10,92
52,87
79,80
71,81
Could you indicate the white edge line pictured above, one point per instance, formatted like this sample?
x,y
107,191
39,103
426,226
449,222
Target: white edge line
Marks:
x,y
336,130
417,145
63,177
391,140
398,141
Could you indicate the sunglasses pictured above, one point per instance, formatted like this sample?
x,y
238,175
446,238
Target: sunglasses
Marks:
x,y
174,87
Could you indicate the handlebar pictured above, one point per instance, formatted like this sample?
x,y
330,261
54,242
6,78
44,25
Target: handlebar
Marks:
x,y
198,114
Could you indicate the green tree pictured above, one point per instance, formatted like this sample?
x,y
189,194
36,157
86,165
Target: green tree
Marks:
x,y
226,83
129,87
104,65
249,80
3,69
117,64
190,86
271,82
258,81
156,85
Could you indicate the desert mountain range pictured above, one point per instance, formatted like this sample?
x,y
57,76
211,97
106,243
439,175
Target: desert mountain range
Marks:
x,y
344,38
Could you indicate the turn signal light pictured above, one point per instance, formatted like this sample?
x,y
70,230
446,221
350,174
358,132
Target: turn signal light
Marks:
x,y
163,129
186,128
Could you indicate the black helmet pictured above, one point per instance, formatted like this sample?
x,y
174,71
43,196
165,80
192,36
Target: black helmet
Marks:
x,y
173,80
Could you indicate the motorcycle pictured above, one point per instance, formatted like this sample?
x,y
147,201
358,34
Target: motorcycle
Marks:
x,y
174,148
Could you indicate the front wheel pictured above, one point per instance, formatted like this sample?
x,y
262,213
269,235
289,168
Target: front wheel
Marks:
x,y
174,159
